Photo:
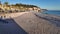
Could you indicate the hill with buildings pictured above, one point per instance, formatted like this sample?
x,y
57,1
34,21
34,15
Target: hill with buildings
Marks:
x,y
18,7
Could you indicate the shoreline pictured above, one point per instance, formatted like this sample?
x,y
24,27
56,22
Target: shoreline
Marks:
x,y
52,18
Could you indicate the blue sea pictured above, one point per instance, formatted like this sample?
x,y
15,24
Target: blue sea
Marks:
x,y
52,12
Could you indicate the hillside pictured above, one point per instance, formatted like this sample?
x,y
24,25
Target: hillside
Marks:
x,y
18,7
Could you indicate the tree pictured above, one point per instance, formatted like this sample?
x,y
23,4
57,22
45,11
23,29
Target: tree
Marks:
x,y
6,3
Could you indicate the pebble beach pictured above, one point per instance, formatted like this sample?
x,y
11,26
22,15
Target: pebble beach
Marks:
x,y
30,23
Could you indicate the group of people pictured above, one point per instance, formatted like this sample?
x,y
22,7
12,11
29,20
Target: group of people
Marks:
x,y
2,17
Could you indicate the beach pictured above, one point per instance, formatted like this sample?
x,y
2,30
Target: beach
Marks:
x,y
29,17
31,23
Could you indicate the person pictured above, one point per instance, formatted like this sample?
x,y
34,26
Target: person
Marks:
x,y
4,16
1,17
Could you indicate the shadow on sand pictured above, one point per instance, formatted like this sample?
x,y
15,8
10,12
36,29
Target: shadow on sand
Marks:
x,y
9,26
51,19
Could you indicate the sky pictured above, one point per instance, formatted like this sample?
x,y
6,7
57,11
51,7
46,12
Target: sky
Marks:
x,y
44,4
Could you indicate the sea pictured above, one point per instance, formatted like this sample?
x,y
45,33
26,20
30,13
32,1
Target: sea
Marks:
x,y
52,12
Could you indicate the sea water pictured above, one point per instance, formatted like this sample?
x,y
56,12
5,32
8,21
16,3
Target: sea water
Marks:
x,y
52,12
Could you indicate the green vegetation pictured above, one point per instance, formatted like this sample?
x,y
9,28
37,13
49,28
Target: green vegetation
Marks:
x,y
25,5
6,3
16,7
